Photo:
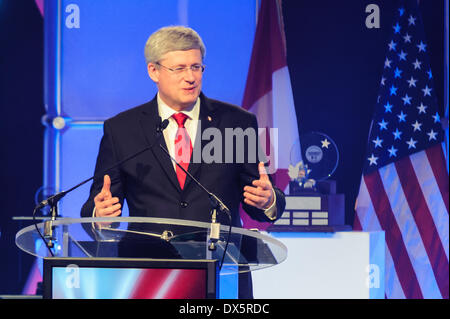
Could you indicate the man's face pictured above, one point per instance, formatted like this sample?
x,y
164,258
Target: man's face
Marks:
x,y
179,90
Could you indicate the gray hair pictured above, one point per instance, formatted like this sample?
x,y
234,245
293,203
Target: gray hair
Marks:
x,y
172,38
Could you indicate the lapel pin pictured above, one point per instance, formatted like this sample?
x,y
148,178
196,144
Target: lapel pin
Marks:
x,y
209,118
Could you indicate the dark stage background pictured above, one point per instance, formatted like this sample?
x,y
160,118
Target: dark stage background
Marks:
x,y
21,102
335,64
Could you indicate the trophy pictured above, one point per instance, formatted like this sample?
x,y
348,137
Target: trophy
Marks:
x,y
313,159
312,203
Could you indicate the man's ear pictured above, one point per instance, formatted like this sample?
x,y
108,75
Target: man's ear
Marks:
x,y
153,72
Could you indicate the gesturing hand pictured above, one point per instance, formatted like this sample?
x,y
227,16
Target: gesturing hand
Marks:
x,y
105,204
260,195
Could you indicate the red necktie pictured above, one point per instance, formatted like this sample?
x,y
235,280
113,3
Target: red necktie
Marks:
x,y
183,147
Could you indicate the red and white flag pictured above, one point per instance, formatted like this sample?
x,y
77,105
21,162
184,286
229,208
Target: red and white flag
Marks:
x,y
268,94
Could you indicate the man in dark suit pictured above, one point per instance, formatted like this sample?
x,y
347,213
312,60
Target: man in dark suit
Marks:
x,y
151,183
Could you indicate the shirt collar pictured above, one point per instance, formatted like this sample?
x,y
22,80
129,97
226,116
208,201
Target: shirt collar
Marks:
x,y
166,112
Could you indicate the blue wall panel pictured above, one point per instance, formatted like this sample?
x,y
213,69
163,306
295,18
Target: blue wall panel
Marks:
x,y
76,163
102,64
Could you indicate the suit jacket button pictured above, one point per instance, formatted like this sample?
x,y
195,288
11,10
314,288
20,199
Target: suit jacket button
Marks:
x,y
184,204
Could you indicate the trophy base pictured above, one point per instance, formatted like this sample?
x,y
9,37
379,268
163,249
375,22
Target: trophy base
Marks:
x,y
312,211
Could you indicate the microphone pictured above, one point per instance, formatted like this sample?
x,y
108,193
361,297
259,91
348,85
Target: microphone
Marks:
x,y
53,200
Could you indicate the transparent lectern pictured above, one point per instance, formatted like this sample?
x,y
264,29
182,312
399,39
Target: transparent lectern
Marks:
x,y
143,257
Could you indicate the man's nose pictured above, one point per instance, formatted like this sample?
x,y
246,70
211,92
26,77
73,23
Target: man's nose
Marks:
x,y
189,75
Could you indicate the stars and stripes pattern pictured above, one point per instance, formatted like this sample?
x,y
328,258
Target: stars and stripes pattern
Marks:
x,y
406,118
404,187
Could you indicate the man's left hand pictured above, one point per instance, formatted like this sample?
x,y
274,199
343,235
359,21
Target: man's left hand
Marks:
x,y
260,195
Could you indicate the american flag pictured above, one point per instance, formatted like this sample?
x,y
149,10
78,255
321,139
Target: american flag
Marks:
x,y
404,187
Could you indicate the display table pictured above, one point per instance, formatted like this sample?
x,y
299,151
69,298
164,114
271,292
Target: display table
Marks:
x,y
326,265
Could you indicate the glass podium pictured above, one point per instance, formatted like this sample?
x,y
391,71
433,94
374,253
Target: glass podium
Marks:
x,y
119,241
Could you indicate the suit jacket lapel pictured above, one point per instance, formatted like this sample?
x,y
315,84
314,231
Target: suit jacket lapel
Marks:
x,y
149,122
207,119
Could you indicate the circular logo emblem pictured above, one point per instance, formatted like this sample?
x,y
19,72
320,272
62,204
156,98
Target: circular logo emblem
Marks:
x,y
314,154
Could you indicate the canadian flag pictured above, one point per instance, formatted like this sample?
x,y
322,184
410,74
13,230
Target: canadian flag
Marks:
x,y
268,94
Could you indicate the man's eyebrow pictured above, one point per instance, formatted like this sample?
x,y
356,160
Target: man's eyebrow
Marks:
x,y
184,65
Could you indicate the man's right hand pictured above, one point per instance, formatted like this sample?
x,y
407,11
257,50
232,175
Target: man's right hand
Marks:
x,y
105,204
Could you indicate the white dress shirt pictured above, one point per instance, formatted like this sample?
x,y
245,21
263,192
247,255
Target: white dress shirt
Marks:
x,y
191,124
